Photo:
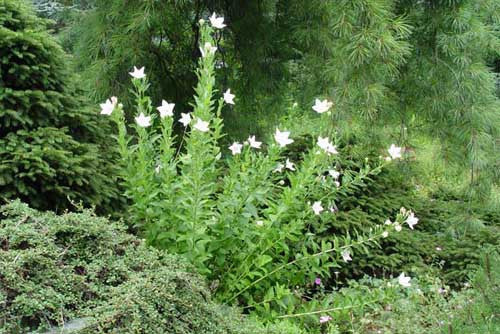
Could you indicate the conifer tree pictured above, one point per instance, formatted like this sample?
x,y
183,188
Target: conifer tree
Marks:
x,y
446,86
48,139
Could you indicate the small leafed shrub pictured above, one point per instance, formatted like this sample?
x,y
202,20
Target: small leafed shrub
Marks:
x,y
54,269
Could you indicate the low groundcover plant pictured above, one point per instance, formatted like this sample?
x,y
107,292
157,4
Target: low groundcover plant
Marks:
x,y
244,222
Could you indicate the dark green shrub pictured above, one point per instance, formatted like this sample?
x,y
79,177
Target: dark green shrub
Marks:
x,y
50,145
446,239
58,268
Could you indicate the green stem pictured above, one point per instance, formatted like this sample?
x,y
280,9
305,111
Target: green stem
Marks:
x,y
300,259
296,315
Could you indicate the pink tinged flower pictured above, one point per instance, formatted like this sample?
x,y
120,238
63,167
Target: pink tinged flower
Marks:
x,y
385,234
322,106
217,22
138,73
201,125
394,152
143,120
236,148
333,173
317,208
404,280
346,256
317,281
108,106
228,97
207,49
185,119
411,220
282,138
289,165
324,318
279,168
166,109
254,143
397,227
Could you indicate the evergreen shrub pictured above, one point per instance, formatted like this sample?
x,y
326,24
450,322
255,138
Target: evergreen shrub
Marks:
x,y
78,266
50,144
450,226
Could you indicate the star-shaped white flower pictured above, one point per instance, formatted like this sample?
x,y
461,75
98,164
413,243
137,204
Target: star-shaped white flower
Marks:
x,y
289,165
108,106
138,73
322,106
207,49
279,168
259,223
228,97
404,280
334,173
397,227
236,148
336,183
385,234
217,22
325,145
201,125
346,256
166,109
411,220
254,143
388,222
143,120
282,138
317,207
185,119
394,152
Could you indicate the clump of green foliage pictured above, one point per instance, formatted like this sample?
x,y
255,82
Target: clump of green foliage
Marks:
x,y
248,222
76,265
50,144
